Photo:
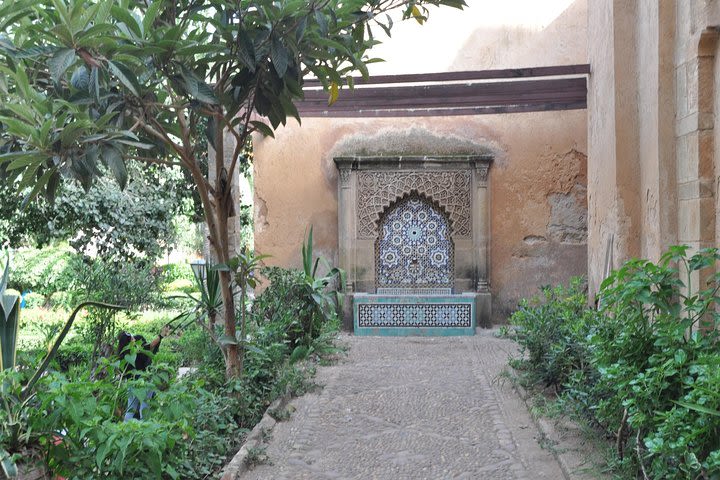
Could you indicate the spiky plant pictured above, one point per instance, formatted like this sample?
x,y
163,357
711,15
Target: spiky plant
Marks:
x,y
9,319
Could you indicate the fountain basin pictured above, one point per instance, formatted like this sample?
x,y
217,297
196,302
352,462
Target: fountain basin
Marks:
x,y
418,315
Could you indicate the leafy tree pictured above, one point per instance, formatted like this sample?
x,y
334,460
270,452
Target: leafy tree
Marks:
x,y
129,224
97,82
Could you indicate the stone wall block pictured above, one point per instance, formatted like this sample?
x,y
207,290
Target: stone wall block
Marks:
x,y
689,221
686,168
706,219
680,91
705,84
706,154
691,85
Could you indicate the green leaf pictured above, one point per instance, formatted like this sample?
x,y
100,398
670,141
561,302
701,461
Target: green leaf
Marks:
x,y
113,158
80,78
299,353
246,50
94,84
126,77
8,466
18,128
280,56
8,330
22,111
151,14
322,22
127,18
263,128
334,93
227,340
198,89
39,185
698,408
60,62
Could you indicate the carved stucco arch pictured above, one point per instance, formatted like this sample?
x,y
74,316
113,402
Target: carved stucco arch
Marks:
x,y
451,190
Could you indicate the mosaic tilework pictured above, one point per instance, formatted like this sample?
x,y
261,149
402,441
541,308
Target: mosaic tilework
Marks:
x,y
415,315
414,291
414,249
450,189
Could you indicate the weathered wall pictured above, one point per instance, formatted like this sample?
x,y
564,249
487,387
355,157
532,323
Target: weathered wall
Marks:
x,y
651,111
537,185
537,189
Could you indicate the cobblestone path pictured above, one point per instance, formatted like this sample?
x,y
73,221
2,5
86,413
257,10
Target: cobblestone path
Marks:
x,y
411,408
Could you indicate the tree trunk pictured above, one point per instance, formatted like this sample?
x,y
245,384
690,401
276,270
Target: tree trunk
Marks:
x,y
233,363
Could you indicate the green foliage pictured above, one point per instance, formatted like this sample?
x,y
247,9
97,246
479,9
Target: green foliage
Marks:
x,y
9,321
44,271
134,284
324,292
649,369
177,271
137,221
551,332
134,222
297,304
193,424
152,81
22,224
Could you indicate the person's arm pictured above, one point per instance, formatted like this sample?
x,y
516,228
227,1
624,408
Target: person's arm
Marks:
x,y
155,344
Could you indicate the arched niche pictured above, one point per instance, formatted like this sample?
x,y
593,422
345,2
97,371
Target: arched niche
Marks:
x,y
414,250
373,190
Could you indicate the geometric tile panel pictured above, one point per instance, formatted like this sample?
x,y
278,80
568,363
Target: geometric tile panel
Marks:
x,y
415,315
414,249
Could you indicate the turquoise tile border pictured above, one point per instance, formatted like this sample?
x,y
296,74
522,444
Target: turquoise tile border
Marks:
x,y
410,300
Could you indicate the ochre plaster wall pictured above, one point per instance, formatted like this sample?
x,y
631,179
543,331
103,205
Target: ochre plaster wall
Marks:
x,y
537,183
537,188
652,104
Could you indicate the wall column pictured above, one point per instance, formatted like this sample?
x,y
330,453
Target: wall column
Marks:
x,y
346,233
481,240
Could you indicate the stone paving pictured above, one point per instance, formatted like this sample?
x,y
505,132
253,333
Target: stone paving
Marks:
x,y
410,408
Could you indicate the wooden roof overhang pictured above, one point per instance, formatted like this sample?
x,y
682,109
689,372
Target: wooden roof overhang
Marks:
x,y
454,93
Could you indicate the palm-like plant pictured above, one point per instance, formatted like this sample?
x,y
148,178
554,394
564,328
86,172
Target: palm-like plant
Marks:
x,y
326,301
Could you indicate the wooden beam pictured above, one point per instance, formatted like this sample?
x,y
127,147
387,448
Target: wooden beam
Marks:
x,y
554,71
442,95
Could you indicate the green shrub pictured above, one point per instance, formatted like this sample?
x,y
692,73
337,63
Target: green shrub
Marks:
x,y
650,355
551,331
44,271
134,284
33,300
61,299
181,285
177,271
287,308
96,442
281,309
646,367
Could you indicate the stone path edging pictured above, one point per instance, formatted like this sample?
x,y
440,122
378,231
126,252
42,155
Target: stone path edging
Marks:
x,y
238,465
571,459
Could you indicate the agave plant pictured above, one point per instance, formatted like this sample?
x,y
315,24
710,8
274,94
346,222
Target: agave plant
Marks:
x,y
327,300
9,319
